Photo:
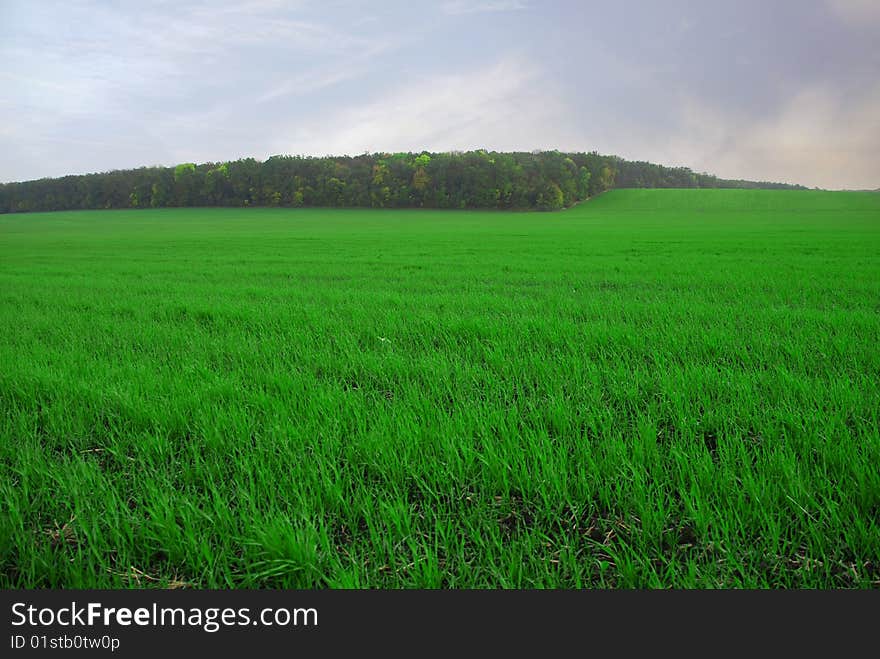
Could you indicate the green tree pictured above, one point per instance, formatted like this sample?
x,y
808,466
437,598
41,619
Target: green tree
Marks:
x,y
550,198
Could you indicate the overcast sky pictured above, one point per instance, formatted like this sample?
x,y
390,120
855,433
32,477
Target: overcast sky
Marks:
x,y
770,90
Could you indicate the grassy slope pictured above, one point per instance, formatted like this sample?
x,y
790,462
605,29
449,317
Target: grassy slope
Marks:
x,y
655,388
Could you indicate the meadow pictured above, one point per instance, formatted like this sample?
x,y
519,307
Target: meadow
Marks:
x,y
654,388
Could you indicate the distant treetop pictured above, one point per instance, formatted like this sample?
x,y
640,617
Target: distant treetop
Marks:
x,y
540,180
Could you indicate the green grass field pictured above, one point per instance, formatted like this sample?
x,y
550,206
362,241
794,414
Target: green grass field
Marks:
x,y
651,389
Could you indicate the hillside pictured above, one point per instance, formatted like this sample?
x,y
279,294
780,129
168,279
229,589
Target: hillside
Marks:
x,y
547,180
725,200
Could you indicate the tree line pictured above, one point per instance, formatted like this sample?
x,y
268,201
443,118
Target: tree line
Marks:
x,y
640,174
541,180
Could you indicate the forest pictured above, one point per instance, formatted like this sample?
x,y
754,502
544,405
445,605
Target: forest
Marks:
x,y
539,180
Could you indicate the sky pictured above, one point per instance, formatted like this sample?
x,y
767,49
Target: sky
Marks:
x,y
772,90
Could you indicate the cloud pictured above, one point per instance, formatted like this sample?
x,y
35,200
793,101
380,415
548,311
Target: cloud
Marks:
x,y
322,76
502,106
772,94
178,49
459,7
304,84
817,138
856,13
165,82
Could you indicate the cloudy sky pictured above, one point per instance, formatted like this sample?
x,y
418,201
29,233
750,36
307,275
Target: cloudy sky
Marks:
x,y
761,89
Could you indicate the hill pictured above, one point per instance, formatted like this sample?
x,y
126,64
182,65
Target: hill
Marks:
x,y
547,180
725,200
